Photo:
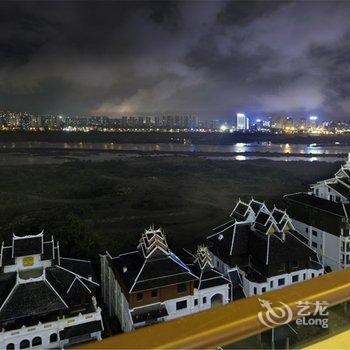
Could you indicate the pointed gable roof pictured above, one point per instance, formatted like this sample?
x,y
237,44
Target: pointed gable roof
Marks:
x,y
241,211
153,265
203,266
203,258
268,239
153,241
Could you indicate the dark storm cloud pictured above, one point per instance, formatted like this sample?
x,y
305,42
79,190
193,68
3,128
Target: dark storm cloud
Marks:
x,y
210,58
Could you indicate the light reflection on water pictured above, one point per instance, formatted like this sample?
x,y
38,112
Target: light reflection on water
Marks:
x,y
285,150
180,147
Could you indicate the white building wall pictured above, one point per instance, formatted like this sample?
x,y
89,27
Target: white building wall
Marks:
x,y
44,330
251,288
324,243
203,297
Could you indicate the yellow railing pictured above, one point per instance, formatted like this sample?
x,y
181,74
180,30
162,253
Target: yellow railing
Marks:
x,y
229,323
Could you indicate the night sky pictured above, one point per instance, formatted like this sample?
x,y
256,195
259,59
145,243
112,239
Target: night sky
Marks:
x,y
206,58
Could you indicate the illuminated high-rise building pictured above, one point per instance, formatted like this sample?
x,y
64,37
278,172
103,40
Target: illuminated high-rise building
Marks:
x,y
242,121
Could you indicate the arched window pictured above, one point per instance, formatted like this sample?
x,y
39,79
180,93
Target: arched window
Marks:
x,y
53,338
36,341
10,346
24,344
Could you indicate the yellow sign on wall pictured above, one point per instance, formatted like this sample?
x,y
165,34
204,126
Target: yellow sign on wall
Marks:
x,y
28,261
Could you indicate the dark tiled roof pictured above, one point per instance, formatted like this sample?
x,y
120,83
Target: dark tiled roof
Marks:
x,y
81,329
213,282
346,180
7,282
224,226
253,275
210,277
318,203
48,251
7,258
156,272
255,206
262,218
149,313
291,249
341,189
132,262
31,299
234,278
80,267
77,289
241,240
277,215
241,209
27,246
62,281
236,286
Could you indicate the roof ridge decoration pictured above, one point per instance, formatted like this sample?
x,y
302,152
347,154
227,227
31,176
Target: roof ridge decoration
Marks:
x,y
41,234
203,257
153,240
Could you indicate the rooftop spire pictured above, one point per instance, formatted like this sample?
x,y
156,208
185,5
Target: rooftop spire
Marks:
x,y
152,240
203,257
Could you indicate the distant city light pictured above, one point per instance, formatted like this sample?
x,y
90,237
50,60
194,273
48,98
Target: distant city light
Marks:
x,y
258,120
313,117
240,115
223,127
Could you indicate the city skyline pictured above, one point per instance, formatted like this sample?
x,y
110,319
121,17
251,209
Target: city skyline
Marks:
x,y
122,58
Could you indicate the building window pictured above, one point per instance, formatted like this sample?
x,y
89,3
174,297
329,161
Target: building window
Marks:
x,y
24,344
312,275
306,229
139,296
314,233
271,284
10,346
195,302
304,276
181,305
281,282
53,338
263,289
36,341
181,288
346,232
154,293
204,300
348,259
255,290
295,278
314,244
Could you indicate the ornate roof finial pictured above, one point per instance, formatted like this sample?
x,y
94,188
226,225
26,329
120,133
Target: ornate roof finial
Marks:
x,y
203,257
152,240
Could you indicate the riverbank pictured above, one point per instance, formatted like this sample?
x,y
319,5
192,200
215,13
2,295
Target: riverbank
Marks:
x,y
212,138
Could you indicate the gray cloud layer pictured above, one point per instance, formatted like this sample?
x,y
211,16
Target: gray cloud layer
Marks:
x,y
208,58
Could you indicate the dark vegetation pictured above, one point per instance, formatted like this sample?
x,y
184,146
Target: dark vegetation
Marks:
x,y
93,206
